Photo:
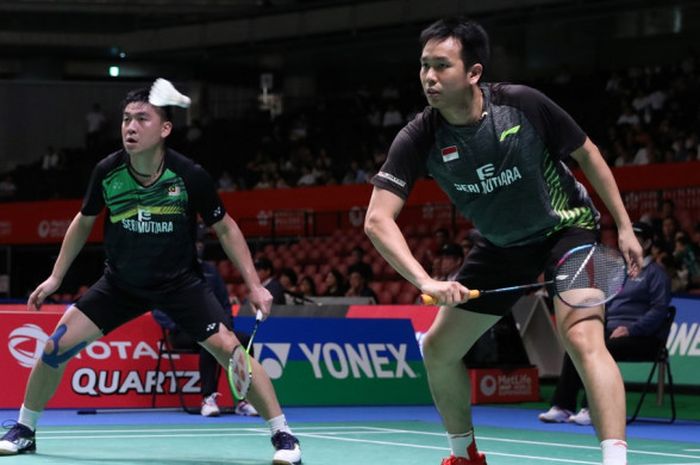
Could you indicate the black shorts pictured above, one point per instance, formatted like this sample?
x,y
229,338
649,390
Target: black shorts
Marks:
x,y
192,306
489,267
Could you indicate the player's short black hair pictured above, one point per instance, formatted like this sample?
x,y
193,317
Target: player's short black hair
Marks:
x,y
141,95
474,39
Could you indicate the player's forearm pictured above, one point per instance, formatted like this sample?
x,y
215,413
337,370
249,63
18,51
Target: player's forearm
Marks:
x,y
73,242
234,244
603,181
391,244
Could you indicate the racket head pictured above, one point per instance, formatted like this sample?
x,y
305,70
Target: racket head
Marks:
x,y
589,275
239,372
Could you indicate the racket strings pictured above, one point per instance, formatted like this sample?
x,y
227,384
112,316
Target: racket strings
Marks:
x,y
598,267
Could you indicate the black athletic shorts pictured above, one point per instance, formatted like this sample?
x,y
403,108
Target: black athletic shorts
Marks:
x,y
489,267
192,306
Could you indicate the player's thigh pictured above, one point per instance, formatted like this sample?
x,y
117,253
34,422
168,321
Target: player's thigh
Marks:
x,y
75,327
453,332
195,310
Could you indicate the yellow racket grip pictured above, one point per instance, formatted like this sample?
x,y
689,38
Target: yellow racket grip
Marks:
x,y
430,300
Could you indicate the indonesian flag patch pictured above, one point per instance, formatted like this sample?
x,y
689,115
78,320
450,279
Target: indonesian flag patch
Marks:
x,y
450,153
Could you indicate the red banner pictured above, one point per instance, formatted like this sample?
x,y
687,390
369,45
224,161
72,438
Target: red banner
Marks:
x,y
116,371
322,210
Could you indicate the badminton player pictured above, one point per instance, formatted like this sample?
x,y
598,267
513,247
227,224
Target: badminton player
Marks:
x,y
152,196
497,150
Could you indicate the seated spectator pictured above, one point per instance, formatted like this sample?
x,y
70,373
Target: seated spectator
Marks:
x,y
307,288
335,284
357,262
451,258
685,258
358,286
634,324
266,273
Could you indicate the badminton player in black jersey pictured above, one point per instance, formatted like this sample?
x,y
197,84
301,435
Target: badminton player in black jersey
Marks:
x,y
497,151
152,197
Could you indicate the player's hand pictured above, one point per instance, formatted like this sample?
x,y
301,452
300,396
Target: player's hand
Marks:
x,y
631,250
261,299
446,292
620,331
40,294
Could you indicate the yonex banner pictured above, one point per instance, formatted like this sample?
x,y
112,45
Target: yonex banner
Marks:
x,y
329,361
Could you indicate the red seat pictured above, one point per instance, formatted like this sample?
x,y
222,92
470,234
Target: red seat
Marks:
x,y
385,297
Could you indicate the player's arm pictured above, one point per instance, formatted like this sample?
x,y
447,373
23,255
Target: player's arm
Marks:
x,y
601,178
385,234
73,242
236,248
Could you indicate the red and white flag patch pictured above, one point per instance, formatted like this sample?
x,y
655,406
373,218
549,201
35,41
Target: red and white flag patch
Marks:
x,y
450,153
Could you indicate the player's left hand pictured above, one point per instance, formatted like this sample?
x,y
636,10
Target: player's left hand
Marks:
x,y
620,331
261,299
631,250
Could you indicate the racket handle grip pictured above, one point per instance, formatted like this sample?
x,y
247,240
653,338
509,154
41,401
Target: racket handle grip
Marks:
x,y
430,300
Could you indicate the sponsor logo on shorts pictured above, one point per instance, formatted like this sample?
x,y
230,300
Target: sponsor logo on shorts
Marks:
x,y
391,178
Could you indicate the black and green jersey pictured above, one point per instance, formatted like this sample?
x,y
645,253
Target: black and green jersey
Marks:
x,y
149,232
505,173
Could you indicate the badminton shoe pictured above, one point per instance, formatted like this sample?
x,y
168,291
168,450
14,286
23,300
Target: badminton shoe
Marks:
x,y
583,417
18,440
209,407
454,460
245,409
555,415
287,449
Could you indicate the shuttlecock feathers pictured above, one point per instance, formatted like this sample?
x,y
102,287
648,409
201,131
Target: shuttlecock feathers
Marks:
x,y
164,94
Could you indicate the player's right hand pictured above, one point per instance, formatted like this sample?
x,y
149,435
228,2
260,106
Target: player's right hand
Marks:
x,y
44,290
260,299
446,292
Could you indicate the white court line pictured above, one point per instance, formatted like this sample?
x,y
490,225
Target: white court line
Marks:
x,y
541,443
417,446
194,429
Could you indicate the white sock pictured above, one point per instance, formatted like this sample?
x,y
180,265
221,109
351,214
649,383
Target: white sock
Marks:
x,y
460,442
614,452
28,417
278,424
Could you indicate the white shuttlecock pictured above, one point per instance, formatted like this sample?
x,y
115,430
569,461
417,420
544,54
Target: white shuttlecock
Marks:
x,y
164,94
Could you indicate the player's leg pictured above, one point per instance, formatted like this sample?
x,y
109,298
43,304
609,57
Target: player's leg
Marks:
x,y
195,309
582,331
72,333
451,336
102,308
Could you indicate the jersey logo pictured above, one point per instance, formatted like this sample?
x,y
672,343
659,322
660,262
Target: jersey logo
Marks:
x,y
485,171
509,132
449,153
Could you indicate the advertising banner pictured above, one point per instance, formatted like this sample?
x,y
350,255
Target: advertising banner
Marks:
x,y
312,361
115,371
495,385
337,361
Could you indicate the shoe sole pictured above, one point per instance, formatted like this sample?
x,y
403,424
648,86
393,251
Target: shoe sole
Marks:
x,y
285,462
20,452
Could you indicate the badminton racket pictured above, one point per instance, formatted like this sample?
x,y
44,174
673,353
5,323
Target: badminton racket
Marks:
x,y
586,276
240,371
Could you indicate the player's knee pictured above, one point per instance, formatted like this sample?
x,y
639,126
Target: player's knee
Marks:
x,y
433,350
577,340
55,354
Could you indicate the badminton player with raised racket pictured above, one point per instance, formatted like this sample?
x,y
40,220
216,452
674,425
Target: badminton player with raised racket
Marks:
x,y
498,151
152,196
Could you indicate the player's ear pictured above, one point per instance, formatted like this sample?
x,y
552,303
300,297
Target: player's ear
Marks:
x,y
474,73
166,129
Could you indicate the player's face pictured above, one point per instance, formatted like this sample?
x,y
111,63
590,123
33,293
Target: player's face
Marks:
x,y
143,129
445,81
